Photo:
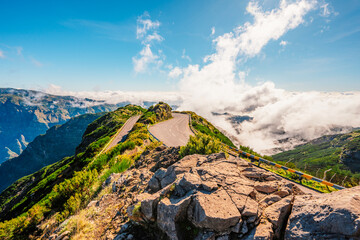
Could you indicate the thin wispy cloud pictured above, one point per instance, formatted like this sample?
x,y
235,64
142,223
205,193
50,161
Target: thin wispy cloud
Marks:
x,y
327,10
147,33
2,55
184,56
144,25
283,43
212,31
344,35
19,51
36,62
113,31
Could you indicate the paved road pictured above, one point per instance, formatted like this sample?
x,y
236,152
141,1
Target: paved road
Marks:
x,y
176,132
173,132
122,134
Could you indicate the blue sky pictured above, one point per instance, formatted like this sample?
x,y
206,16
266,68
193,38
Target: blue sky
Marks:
x,y
94,45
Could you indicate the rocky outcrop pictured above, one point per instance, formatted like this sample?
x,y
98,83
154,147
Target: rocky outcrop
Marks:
x,y
329,216
162,111
215,196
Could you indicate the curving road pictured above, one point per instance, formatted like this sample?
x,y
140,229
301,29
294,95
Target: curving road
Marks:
x,y
176,132
122,134
173,132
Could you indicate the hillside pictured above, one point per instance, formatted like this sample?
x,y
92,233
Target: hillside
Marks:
x,y
51,192
25,114
58,142
141,189
340,153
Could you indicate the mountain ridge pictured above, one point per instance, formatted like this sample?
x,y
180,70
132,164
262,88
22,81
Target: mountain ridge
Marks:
x,y
58,142
25,114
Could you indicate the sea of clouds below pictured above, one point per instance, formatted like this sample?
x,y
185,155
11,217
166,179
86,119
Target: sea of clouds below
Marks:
x,y
280,119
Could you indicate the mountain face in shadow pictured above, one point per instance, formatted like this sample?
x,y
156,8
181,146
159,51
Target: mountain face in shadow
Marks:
x,y
58,142
25,114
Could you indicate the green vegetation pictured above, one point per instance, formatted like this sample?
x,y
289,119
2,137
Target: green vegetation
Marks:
x,y
251,151
62,189
340,153
201,144
200,124
106,126
159,112
294,177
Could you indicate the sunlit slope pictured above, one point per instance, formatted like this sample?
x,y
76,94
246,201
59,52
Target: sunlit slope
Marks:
x,y
339,155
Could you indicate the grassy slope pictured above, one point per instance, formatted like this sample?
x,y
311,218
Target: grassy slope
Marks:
x,y
49,196
205,127
328,152
59,189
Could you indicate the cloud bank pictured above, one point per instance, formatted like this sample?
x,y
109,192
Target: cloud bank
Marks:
x,y
113,97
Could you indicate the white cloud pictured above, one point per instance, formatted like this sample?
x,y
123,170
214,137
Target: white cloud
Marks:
x,y
146,31
242,75
283,43
154,37
212,31
219,86
175,72
2,55
218,75
249,39
184,56
144,24
146,57
325,10
114,97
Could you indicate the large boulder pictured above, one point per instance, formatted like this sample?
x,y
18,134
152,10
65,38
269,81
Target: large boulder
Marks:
x,y
206,212
169,213
328,216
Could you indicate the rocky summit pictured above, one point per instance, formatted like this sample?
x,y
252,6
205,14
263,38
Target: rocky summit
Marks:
x,y
219,197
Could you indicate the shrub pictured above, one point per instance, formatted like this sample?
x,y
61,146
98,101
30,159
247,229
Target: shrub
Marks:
x,y
201,144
